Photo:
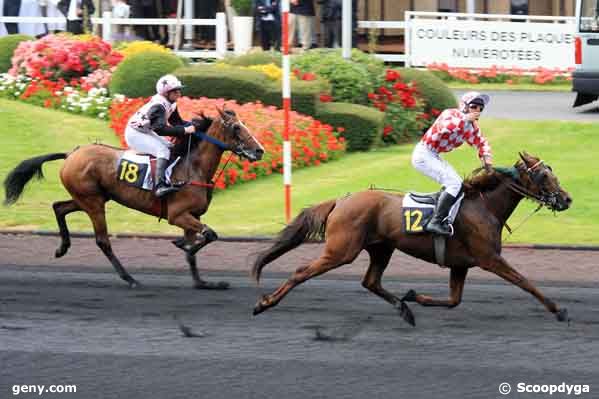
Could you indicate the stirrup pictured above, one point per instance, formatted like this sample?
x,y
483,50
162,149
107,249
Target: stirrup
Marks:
x,y
161,191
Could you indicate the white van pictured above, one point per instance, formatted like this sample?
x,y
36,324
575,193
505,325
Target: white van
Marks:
x,y
585,78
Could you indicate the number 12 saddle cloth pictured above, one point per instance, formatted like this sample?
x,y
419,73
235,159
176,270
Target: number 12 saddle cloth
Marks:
x,y
138,170
417,210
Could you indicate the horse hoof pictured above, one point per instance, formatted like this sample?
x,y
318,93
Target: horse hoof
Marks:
x,y
261,306
206,285
406,314
562,315
410,296
134,283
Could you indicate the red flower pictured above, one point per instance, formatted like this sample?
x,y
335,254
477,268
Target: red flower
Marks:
x,y
326,98
391,75
308,76
387,130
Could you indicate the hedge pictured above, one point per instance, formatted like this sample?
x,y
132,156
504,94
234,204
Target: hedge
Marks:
x,y
136,75
8,44
363,125
255,58
433,90
248,86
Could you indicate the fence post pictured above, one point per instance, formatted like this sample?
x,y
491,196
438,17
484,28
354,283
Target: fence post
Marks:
x,y
407,30
106,26
188,28
221,34
346,28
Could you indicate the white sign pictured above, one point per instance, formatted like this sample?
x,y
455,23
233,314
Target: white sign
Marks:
x,y
482,44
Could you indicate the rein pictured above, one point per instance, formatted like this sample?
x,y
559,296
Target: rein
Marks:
x,y
204,137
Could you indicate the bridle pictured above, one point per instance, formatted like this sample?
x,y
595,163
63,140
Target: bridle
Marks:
x,y
543,198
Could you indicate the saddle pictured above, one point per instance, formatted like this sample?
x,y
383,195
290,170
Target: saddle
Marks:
x,y
138,169
417,209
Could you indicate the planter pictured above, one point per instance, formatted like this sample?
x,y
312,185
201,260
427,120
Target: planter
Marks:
x,y
243,34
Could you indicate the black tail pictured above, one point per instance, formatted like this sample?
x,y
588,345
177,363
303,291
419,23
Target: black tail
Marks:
x,y
17,179
310,223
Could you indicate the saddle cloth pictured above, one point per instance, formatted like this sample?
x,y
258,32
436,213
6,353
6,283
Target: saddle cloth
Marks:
x,y
418,209
138,170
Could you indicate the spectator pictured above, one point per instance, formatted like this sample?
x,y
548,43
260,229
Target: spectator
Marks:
x,y
53,11
301,17
120,9
205,9
268,19
78,13
331,20
169,10
31,8
146,9
11,8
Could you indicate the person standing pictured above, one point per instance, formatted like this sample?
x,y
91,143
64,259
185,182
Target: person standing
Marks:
x,y
268,19
330,15
301,16
78,13
11,8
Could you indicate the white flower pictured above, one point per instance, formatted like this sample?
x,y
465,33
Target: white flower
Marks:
x,y
102,115
58,93
68,89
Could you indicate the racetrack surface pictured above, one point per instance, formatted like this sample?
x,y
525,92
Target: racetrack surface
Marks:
x,y
72,321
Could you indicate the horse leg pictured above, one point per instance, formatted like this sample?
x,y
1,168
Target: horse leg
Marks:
x,y
190,244
97,214
380,254
61,210
340,249
456,288
498,265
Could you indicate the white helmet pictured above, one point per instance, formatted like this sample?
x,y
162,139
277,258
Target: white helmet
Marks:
x,y
473,97
168,83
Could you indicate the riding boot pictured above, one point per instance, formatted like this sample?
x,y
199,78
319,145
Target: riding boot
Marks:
x,y
437,224
162,187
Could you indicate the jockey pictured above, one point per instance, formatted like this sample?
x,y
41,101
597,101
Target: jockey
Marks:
x,y
450,130
157,118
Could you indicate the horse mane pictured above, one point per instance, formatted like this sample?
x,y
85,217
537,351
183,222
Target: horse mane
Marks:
x,y
182,145
481,181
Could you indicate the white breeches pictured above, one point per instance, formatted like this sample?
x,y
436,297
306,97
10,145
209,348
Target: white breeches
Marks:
x,y
430,164
149,143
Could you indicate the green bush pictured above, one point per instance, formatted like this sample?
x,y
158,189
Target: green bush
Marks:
x,y
243,7
433,90
363,125
245,86
8,44
136,76
255,58
351,80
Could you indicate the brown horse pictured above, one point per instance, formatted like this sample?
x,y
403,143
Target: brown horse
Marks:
x,y
373,220
90,175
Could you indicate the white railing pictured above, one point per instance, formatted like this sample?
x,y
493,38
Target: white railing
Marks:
x,y
106,21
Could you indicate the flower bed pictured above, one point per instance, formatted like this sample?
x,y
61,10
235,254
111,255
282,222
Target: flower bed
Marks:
x,y
55,57
312,142
58,95
494,74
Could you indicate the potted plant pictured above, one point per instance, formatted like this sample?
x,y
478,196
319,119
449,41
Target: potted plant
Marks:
x,y
243,25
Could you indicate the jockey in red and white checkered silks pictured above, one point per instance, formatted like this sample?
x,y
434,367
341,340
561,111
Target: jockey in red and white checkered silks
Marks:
x,y
452,128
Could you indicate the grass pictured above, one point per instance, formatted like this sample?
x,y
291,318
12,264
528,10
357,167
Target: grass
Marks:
x,y
561,87
257,208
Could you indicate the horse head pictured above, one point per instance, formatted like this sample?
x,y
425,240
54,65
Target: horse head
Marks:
x,y
235,135
538,179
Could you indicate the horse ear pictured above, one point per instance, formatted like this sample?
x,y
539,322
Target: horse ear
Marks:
x,y
524,156
221,112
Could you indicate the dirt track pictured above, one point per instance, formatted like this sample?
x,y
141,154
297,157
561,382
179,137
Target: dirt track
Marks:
x,y
72,321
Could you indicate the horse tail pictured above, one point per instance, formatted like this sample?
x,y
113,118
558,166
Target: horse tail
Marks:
x,y
17,179
310,223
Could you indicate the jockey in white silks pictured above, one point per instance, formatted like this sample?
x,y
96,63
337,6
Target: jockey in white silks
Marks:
x,y
450,130
158,118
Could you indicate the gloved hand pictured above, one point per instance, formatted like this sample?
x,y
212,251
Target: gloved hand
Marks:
x,y
190,129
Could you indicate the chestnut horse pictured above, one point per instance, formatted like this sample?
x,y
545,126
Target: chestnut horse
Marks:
x,y
373,220
89,174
